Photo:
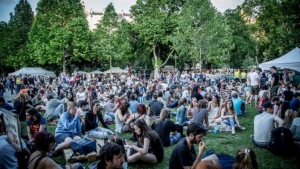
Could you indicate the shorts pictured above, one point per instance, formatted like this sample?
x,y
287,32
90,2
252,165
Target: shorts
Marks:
x,y
255,90
61,137
249,88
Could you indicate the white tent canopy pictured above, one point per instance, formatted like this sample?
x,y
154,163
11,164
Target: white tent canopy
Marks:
x,y
96,72
115,70
33,71
291,60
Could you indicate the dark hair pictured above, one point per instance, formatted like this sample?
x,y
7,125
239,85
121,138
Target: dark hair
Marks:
x,y
124,107
119,141
93,104
196,128
182,102
132,97
108,151
160,94
42,140
141,109
111,96
246,159
50,96
2,100
33,112
146,131
154,96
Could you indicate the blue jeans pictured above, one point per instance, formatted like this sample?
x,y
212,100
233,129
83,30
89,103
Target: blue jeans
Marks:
x,y
173,104
141,99
174,138
18,88
229,121
111,114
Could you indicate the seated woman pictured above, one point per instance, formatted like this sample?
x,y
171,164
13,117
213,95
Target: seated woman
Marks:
x,y
200,114
44,142
245,158
173,102
166,128
229,116
92,118
181,116
22,103
214,108
141,113
122,113
149,149
35,123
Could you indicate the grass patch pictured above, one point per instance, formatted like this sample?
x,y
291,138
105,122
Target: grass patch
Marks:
x,y
221,142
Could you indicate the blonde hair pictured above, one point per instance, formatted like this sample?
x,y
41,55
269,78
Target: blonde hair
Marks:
x,y
72,105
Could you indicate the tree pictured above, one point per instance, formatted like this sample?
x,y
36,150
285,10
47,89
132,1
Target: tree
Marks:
x,y
202,34
16,54
244,45
60,34
154,22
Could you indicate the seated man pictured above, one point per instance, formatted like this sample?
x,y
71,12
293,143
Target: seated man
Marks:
x,y
264,124
184,153
34,122
111,107
155,106
54,108
37,102
111,156
5,105
68,128
238,104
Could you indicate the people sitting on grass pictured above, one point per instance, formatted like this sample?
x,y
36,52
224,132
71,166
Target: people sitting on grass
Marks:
x,y
184,153
166,128
37,102
111,107
44,142
155,106
264,124
111,156
149,148
200,113
214,108
92,120
245,158
35,122
54,108
229,116
238,104
68,128
181,116
22,103
122,114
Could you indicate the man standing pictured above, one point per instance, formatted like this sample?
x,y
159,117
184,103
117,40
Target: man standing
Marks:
x,y
274,81
243,76
18,83
184,154
255,85
264,124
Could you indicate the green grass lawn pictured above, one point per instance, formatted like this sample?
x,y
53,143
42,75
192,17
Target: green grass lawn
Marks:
x,y
221,142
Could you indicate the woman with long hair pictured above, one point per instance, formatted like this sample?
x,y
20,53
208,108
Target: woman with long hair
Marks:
x,y
121,115
181,115
214,108
92,118
246,159
166,128
43,142
22,103
229,116
35,123
149,147
200,114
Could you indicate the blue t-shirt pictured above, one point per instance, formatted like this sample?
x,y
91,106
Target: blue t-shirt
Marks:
x,y
294,104
133,106
237,103
7,106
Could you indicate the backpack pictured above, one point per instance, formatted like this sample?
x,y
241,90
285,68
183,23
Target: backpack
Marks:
x,y
83,146
282,142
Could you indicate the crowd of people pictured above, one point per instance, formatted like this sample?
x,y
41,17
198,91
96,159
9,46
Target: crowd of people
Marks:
x,y
205,102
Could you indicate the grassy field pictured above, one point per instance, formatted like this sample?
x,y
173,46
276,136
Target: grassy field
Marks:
x,y
221,142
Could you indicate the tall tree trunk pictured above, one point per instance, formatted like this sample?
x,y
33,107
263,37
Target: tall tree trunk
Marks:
x,y
155,63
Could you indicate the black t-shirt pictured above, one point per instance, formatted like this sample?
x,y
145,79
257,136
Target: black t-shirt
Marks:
x,y
197,95
288,95
156,148
163,129
276,77
155,107
182,156
30,80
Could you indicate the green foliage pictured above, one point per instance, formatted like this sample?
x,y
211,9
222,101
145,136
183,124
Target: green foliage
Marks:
x,y
60,34
248,62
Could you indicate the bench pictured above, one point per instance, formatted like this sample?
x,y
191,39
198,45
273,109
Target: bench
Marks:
x,y
91,157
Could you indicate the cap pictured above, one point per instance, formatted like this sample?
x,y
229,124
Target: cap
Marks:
x,y
273,67
268,105
258,68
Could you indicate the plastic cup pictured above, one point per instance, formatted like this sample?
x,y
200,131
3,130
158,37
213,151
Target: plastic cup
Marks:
x,y
215,131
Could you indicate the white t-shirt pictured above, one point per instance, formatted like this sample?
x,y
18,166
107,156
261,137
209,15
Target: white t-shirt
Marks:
x,y
263,126
81,96
253,78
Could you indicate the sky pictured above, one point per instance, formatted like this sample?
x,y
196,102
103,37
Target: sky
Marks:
x,y
7,6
